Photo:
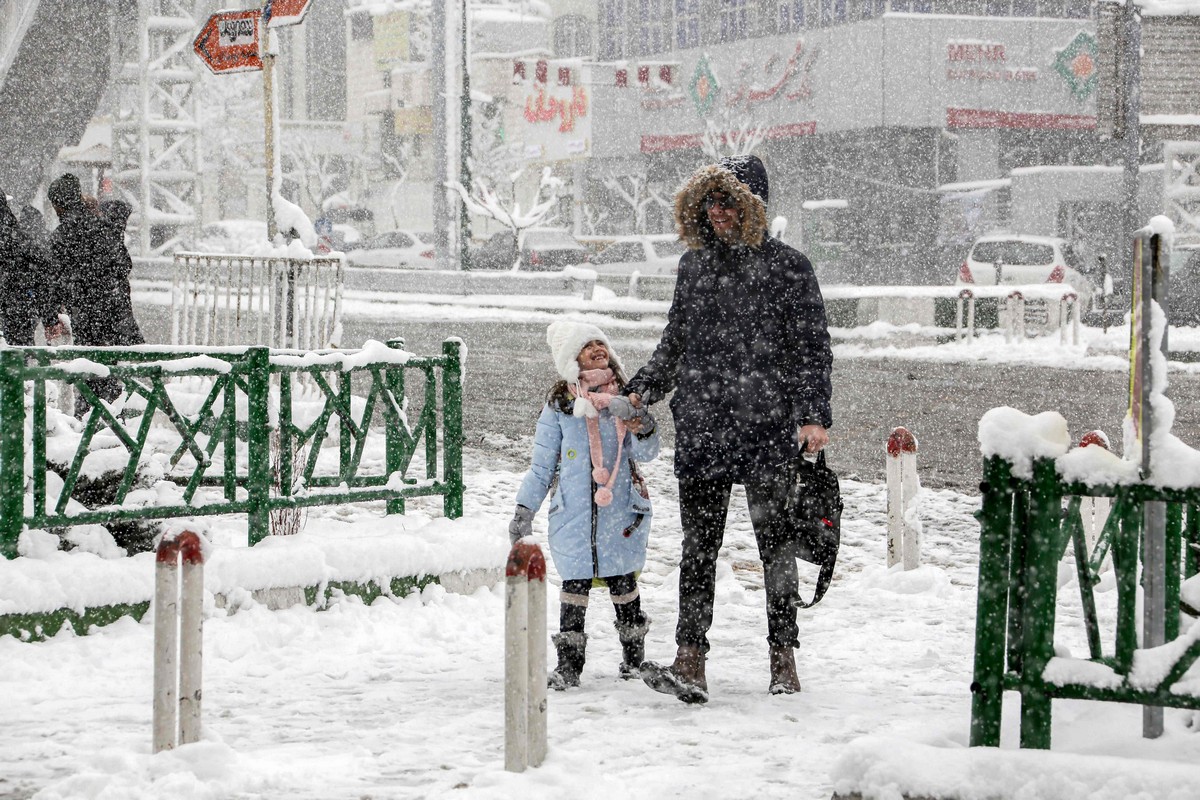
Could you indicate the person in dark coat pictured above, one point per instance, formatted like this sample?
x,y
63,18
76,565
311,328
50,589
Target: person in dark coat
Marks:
x,y
94,265
746,350
116,214
26,281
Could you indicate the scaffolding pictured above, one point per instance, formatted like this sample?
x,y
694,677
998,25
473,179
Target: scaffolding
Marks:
x,y
156,132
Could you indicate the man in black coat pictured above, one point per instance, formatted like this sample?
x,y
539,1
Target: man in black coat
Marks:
x,y
91,258
26,281
746,350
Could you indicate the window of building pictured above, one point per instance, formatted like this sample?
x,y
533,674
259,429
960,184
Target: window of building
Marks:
x,y
1024,8
998,8
687,24
791,15
612,29
1078,9
902,5
733,20
572,36
653,27
362,27
923,6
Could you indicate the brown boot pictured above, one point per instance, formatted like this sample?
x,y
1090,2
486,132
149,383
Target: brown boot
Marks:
x,y
684,679
783,671
689,666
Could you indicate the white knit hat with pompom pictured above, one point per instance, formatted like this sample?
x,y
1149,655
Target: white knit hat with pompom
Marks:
x,y
566,338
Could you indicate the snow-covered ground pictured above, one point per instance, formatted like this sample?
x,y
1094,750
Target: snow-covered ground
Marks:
x,y
403,698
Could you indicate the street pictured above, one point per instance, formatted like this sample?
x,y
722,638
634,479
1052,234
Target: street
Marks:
x,y
508,373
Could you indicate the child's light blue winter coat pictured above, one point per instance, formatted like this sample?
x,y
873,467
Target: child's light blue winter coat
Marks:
x,y
616,543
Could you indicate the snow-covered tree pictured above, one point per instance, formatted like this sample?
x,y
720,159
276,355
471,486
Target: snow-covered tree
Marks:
x,y
483,201
638,192
731,134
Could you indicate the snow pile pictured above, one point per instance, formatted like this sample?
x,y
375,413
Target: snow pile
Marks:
x,y
362,548
886,769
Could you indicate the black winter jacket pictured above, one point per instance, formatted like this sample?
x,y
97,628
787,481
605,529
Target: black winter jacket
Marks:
x,y
27,281
91,257
746,347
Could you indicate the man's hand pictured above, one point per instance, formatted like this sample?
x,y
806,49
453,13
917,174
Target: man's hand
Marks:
x,y
636,400
813,438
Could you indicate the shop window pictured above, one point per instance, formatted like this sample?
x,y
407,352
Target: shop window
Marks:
x,y
687,24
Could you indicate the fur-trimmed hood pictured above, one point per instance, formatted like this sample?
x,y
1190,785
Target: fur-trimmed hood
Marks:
x,y
691,219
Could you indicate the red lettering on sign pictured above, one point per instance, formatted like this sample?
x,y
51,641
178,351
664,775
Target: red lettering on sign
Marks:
x,y
975,52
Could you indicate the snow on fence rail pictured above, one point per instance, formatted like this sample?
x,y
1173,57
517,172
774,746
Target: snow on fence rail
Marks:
x,y
237,432
274,301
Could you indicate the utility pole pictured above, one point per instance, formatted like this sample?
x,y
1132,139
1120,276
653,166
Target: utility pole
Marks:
x,y
464,150
1129,129
441,170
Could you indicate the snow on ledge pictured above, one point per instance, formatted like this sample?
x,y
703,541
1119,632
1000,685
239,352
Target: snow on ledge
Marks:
x,y
1019,438
877,768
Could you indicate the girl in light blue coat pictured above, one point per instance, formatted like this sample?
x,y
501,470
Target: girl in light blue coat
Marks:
x,y
584,452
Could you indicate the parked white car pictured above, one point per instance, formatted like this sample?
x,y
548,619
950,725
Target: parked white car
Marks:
x,y
395,250
230,236
1024,259
649,255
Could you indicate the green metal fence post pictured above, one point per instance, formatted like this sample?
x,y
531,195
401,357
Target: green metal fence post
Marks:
x,y
991,607
12,450
394,453
1174,556
1125,564
1018,576
452,427
1191,535
1045,518
258,444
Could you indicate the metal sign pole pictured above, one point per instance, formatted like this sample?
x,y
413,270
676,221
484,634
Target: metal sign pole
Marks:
x,y
268,60
1155,286
441,170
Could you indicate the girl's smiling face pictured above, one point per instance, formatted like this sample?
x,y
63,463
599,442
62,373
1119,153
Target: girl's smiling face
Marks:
x,y
594,355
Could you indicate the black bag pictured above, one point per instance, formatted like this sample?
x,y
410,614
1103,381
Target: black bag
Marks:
x,y
814,519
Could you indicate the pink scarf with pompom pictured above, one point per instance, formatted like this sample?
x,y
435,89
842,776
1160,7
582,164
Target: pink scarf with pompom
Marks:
x,y
604,387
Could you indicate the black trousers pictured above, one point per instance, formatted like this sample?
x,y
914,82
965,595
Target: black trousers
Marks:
x,y
703,506
571,615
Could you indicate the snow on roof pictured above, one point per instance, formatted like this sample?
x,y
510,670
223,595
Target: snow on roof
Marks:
x,y
1170,119
973,186
95,146
1169,8
481,10
812,205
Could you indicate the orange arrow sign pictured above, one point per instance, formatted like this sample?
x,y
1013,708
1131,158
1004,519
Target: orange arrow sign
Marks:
x,y
228,42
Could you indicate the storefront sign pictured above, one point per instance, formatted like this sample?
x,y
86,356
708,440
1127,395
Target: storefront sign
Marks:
x,y
557,120
1077,64
983,61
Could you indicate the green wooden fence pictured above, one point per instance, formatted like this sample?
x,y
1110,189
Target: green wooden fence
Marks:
x,y
265,421
1026,528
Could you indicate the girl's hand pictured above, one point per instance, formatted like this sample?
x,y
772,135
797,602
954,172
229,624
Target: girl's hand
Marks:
x,y
634,425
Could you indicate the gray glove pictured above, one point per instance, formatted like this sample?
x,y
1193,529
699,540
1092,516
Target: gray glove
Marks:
x,y
521,525
621,408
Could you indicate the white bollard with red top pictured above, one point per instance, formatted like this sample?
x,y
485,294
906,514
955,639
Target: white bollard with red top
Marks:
x,y
904,526
525,658
1068,319
178,639
1094,511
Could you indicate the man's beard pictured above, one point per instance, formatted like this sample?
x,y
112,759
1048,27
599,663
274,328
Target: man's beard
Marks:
x,y
731,236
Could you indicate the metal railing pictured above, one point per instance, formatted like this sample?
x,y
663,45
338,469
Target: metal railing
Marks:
x,y
268,425
1025,532
219,299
